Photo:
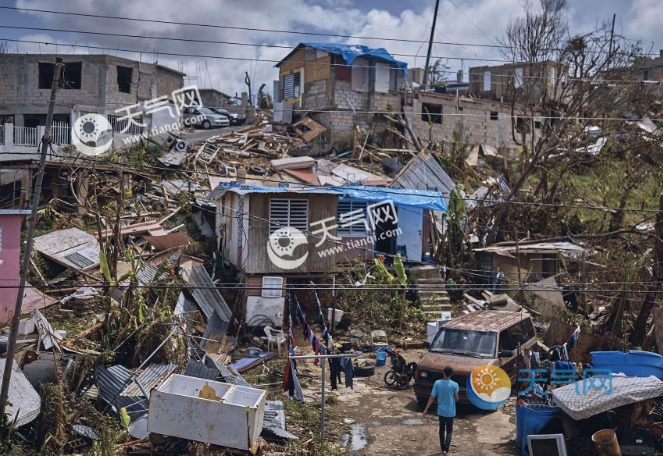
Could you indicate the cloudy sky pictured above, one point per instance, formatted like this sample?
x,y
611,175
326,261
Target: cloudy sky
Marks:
x,y
459,21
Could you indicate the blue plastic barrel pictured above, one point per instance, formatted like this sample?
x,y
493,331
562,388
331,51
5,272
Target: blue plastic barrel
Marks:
x,y
534,418
380,358
520,420
635,363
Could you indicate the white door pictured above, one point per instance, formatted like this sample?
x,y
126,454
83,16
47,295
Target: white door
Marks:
x,y
410,230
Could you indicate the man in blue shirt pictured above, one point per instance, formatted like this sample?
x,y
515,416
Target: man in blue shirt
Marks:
x,y
446,393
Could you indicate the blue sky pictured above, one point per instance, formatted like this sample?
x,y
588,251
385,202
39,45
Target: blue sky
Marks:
x,y
481,21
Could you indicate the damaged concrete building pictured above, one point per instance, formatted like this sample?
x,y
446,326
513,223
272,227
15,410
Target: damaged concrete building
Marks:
x,y
101,84
343,86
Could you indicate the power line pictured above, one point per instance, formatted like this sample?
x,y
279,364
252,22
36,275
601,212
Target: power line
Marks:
x,y
255,29
255,59
385,190
475,25
222,57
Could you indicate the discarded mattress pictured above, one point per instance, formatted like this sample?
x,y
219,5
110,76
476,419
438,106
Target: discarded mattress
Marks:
x,y
625,390
635,363
23,399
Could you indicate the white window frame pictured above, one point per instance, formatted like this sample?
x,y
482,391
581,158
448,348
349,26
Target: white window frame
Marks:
x,y
349,206
292,87
272,287
487,86
288,212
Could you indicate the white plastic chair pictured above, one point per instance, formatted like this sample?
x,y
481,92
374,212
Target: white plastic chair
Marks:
x,y
274,337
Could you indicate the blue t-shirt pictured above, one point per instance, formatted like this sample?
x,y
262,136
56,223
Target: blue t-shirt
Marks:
x,y
445,391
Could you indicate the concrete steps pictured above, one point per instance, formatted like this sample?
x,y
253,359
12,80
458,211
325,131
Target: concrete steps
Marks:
x,y
430,288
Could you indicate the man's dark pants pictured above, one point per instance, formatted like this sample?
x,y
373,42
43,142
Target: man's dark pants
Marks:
x,y
447,423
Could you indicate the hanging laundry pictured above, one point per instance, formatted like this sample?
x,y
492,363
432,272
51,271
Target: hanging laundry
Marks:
x,y
348,369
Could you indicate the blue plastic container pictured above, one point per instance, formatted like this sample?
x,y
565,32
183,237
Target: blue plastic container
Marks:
x,y
380,358
533,418
635,363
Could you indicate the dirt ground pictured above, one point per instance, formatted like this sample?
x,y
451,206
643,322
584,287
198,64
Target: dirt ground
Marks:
x,y
372,419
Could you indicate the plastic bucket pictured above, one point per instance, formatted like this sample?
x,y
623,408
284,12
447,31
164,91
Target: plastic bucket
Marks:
x,y
381,358
535,417
606,444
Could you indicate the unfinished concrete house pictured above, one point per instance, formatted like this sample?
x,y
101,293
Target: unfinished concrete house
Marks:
x,y
100,84
527,80
343,86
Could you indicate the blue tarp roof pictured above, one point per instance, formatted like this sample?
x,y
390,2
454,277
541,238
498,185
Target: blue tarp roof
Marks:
x,y
350,52
425,199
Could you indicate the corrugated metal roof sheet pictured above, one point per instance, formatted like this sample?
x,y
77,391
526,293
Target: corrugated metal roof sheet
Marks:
x,y
24,401
274,420
149,378
424,172
246,189
225,373
193,369
184,304
206,294
110,382
215,326
486,320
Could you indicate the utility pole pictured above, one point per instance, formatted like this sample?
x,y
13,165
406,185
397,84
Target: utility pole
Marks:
x,y
13,332
430,46
612,34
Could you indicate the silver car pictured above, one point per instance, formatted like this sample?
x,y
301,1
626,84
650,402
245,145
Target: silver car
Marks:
x,y
204,117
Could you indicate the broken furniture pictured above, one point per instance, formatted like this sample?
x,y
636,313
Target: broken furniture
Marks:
x,y
274,337
359,338
379,339
207,411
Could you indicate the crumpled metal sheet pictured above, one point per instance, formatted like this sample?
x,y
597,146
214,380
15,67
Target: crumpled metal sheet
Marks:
x,y
110,383
194,369
23,399
86,431
152,376
226,374
206,294
274,421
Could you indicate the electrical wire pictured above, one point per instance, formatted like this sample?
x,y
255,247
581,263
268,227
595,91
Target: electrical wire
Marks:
x,y
597,79
385,190
255,29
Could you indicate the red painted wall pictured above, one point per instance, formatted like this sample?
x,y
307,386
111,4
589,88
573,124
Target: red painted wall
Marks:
x,y
10,263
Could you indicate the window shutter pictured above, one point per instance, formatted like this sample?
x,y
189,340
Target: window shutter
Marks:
x,y
288,212
350,206
288,86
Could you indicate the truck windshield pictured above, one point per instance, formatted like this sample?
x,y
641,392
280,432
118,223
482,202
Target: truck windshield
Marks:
x,y
464,342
